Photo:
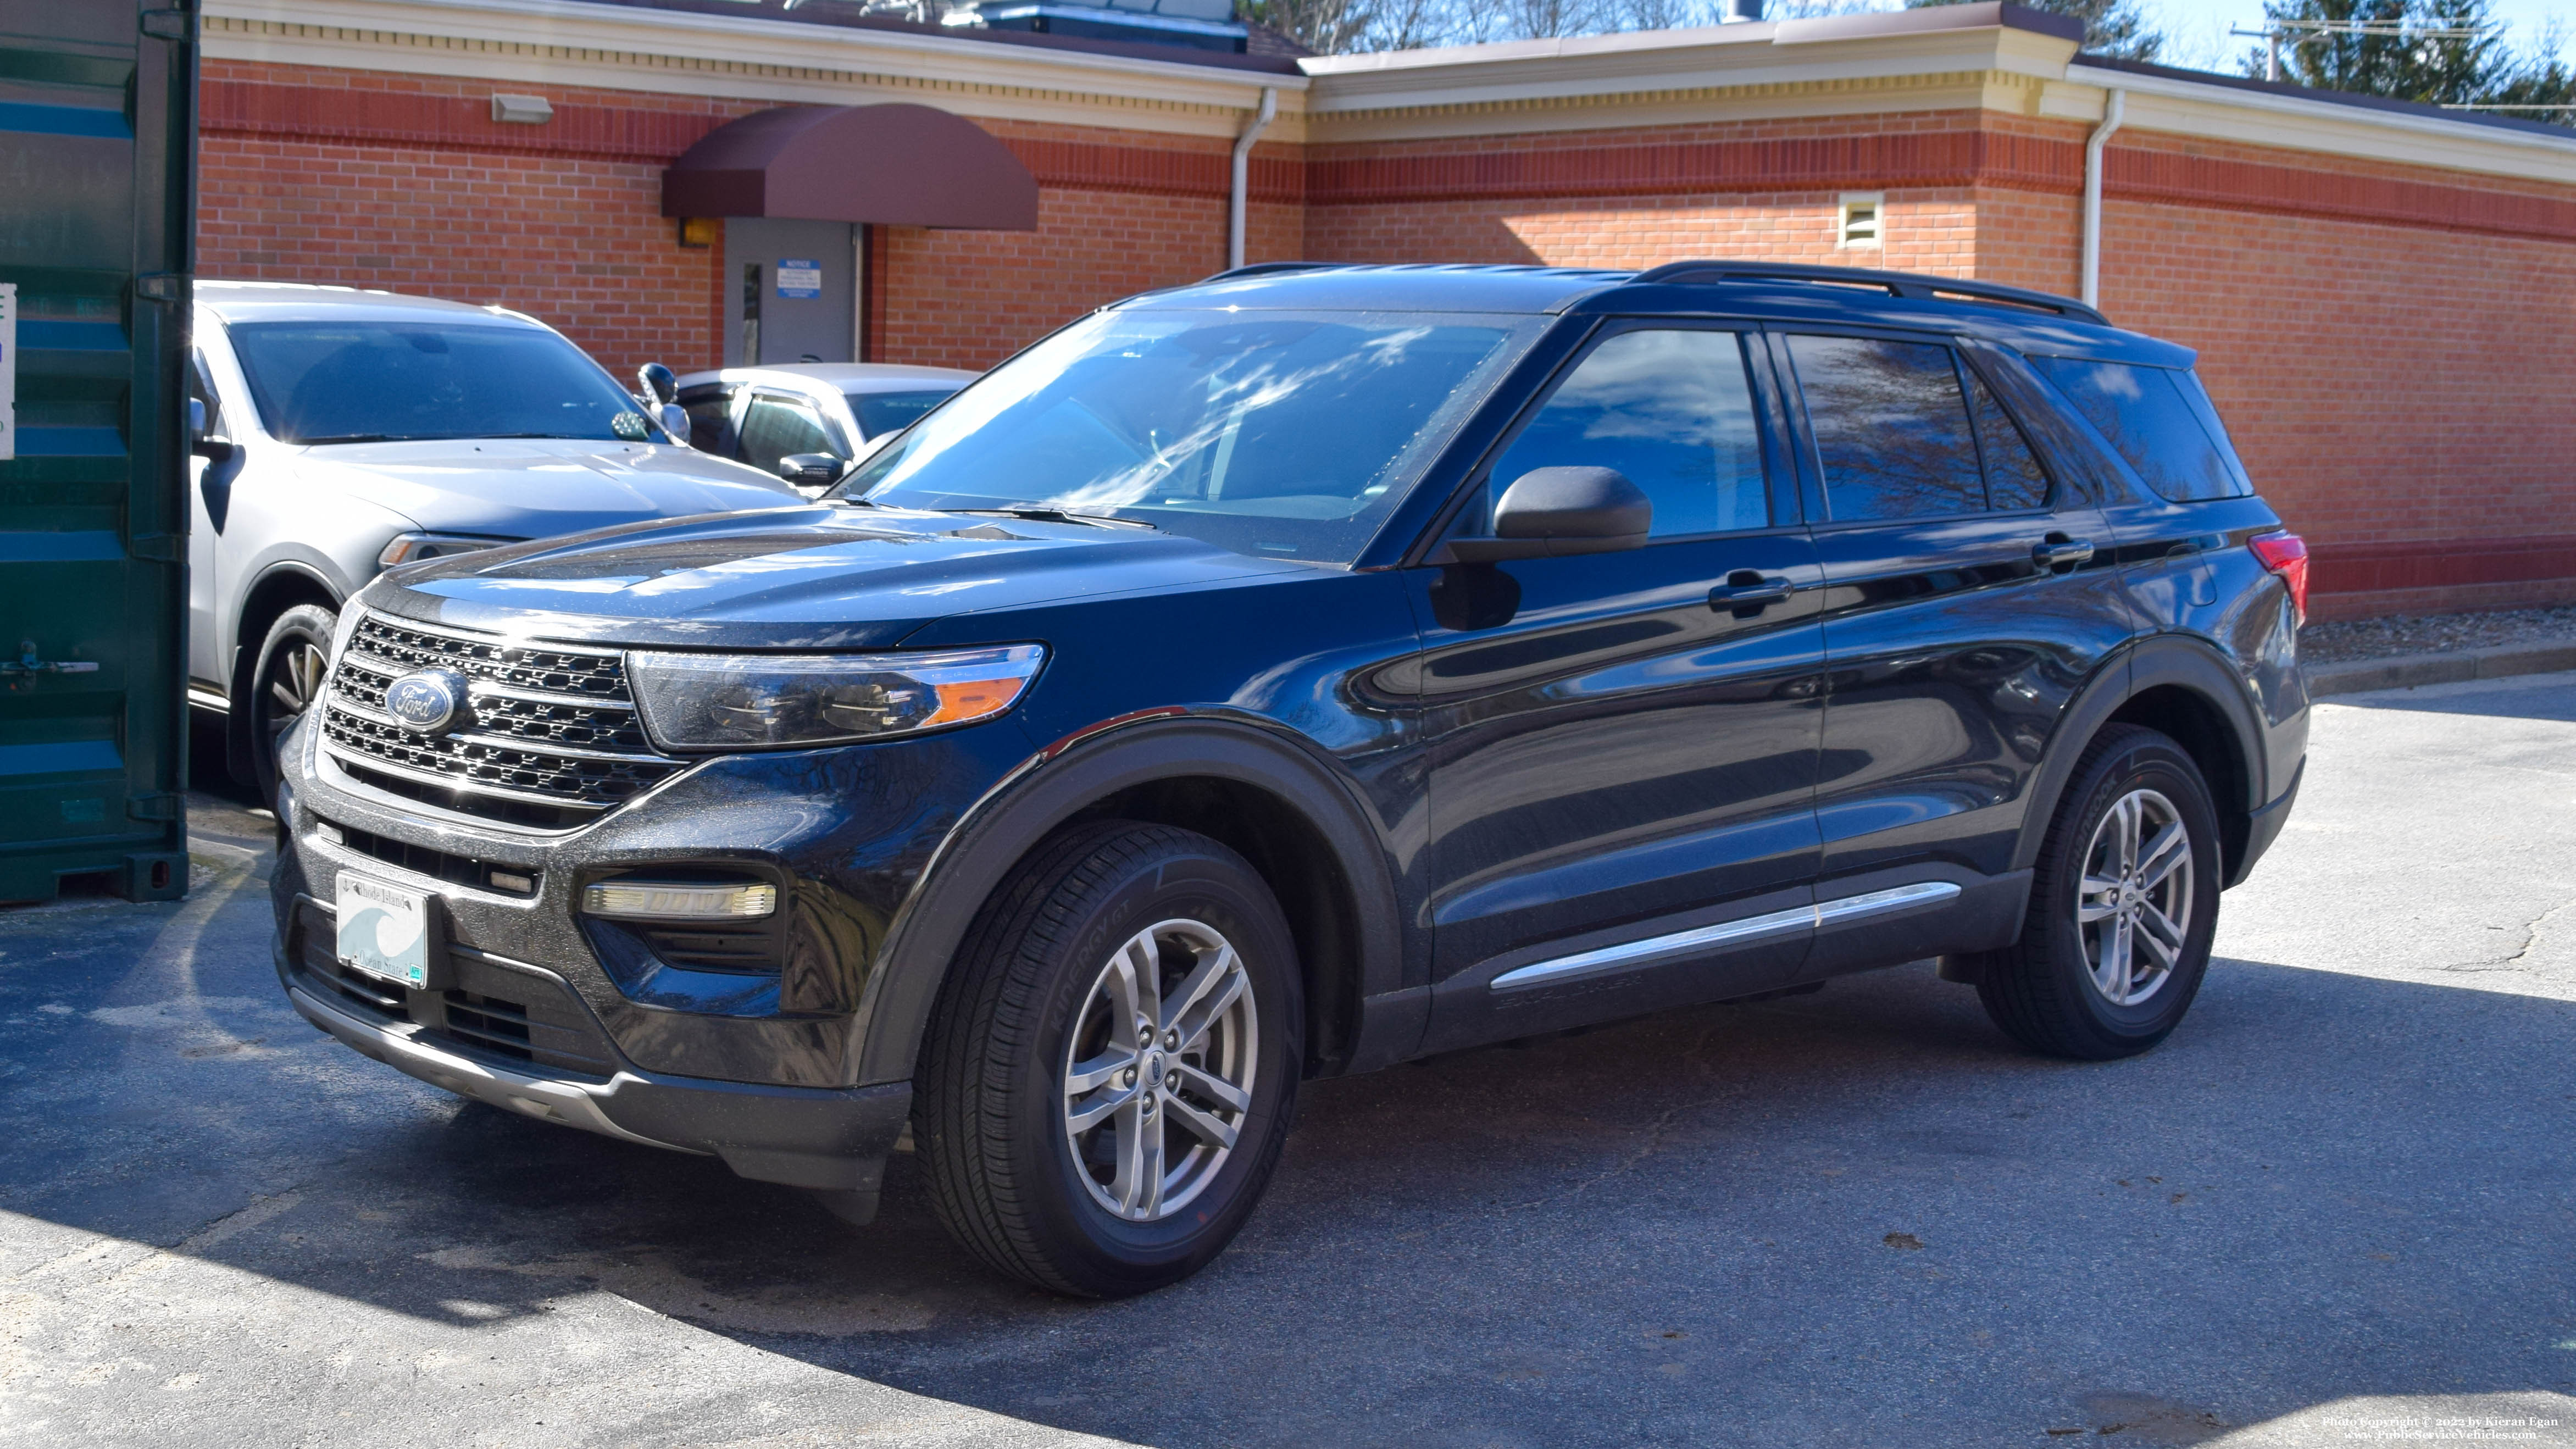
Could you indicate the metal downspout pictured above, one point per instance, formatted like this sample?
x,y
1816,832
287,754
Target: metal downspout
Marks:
x,y
2114,105
1242,175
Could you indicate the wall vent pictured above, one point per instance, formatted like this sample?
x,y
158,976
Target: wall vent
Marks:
x,y
1863,218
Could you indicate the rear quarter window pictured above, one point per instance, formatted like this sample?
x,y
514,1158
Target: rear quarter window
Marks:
x,y
2159,420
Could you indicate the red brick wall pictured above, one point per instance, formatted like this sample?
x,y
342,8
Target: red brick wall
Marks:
x,y
2398,391
368,179
2389,343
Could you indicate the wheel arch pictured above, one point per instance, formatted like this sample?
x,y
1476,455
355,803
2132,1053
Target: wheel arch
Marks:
x,y
1294,817
279,587
2182,688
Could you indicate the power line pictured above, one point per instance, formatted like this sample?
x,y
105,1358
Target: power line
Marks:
x,y
2279,30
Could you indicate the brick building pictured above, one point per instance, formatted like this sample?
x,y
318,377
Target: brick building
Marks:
x,y
2382,295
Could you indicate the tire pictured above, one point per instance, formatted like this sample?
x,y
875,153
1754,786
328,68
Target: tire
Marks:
x,y
1014,1174
285,679
2062,989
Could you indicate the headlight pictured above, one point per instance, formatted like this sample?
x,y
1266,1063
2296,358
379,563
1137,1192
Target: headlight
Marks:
x,y
413,547
737,701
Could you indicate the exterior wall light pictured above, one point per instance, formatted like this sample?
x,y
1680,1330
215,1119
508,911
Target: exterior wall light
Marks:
x,y
697,231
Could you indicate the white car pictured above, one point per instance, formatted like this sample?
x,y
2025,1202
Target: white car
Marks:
x,y
338,432
760,415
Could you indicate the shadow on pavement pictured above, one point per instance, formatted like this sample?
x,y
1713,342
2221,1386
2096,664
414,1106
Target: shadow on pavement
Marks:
x,y
1853,1217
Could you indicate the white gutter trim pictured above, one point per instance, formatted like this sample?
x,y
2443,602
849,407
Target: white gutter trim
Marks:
x,y
2114,108
1234,229
2300,106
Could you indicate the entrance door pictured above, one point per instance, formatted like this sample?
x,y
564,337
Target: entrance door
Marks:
x,y
791,291
1623,745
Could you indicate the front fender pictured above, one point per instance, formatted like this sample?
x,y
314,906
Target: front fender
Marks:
x,y
1057,784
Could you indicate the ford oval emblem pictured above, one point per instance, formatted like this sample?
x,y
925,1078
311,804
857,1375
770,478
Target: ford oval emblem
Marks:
x,y
428,701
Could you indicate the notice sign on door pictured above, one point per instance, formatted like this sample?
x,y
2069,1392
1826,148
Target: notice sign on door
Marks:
x,y
800,277
8,370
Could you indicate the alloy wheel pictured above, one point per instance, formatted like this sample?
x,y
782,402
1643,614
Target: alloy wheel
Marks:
x,y
293,682
2134,903
1158,1072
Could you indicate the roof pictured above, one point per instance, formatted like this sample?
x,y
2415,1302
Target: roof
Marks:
x,y
278,301
852,17
1424,287
1825,295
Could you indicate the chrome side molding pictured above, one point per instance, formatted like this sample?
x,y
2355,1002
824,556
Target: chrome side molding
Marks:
x,y
1632,954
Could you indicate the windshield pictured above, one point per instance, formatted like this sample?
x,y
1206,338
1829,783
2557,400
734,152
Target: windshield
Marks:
x,y
880,413
1282,434
365,382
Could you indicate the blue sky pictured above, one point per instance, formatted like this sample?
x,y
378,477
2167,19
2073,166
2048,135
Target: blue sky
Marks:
x,y
2199,27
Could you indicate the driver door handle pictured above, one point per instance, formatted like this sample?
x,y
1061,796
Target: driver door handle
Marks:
x,y
2061,551
1748,593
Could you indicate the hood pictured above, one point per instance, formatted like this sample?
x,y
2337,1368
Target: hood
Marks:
x,y
820,577
540,487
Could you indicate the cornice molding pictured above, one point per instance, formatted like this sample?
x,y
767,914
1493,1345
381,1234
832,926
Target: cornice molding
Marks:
x,y
550,42
2298,124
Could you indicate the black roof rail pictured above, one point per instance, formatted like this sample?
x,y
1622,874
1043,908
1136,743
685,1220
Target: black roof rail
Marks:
x,y
1264,269
1902,284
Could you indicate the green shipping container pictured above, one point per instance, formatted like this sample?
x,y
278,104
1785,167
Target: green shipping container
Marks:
x,y
97,221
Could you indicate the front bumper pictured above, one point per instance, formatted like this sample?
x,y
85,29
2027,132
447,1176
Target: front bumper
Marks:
x,y
835,1140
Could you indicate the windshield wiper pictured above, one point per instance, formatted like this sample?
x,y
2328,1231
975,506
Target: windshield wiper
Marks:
x,y
358,438
1041,513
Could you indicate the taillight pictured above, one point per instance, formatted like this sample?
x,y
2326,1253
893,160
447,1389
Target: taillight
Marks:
x,y
2286,554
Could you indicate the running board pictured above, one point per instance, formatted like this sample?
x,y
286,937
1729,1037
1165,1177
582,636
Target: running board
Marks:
x,y
1633,954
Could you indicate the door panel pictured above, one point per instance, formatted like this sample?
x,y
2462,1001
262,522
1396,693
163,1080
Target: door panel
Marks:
x,y
1953,642
1617,760
770,320
1623,746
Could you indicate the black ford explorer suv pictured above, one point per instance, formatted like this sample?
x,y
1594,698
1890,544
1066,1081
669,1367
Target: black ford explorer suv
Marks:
x,y
1293,674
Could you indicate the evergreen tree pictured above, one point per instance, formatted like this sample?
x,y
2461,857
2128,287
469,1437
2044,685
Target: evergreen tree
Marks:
x,y
2409,58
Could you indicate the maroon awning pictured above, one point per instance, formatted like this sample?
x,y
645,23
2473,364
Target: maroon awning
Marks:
x,y
901,165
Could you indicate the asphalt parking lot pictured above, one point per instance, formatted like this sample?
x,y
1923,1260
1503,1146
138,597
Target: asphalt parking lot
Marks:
x,y
2338,1207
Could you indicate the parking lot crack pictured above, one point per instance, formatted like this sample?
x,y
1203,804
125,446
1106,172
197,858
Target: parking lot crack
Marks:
x,y
2539,932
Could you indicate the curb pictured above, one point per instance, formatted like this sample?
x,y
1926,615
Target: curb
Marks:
x,y
2406,671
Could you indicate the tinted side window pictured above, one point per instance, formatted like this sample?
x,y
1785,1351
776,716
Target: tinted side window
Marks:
x,y
710,413
774,427
2146,414
1891,427
1670,409
2014,478
880,413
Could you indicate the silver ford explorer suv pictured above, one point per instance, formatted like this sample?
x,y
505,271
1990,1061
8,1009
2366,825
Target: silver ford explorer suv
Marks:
x,y
340,432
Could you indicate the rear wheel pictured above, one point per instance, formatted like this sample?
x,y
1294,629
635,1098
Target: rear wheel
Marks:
x,y
1113,1063
285,680
2123,906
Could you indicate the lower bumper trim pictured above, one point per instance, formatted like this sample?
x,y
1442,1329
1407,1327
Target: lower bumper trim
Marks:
x,y
834,1140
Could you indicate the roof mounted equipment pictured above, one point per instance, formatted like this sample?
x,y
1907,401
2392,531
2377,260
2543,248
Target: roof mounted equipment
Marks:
x,y
1900,284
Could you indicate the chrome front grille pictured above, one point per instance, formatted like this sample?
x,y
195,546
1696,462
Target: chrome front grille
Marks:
x,y
554,740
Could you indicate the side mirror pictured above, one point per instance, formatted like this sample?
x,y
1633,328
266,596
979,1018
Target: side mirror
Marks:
x,y
213,450
811,470
1552,512
675,421
659,383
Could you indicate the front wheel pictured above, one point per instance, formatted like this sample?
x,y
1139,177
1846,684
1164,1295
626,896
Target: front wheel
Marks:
x,y
285,681
2123,906
1113,1062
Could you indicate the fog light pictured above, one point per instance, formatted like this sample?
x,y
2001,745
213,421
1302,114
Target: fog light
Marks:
x,y
679,900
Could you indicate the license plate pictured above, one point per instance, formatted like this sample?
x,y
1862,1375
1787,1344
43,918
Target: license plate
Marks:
x,y
384,930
